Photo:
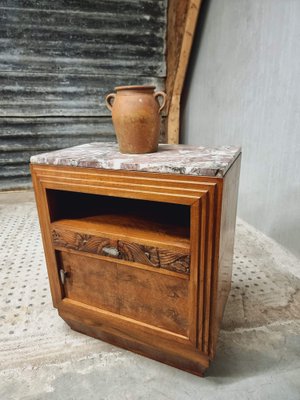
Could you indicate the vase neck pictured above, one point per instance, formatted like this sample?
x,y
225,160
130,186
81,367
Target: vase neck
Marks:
x,y
135,88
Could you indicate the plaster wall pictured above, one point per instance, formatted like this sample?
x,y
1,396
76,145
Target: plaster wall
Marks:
x,y
243,87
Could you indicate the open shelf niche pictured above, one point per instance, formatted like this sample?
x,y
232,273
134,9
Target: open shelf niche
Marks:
x,y
150,222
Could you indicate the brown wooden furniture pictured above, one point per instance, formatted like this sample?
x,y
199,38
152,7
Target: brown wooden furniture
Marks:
x,y
181,26
140,259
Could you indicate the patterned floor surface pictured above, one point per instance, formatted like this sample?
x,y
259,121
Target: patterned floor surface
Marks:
x,y
41,358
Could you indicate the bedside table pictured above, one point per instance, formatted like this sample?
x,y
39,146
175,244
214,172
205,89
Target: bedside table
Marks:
x,y
139,247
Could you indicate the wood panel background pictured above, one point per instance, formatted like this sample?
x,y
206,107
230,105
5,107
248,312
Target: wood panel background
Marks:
x,y
58,59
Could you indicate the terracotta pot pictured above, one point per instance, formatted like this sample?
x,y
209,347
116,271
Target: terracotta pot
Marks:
x,y
136,117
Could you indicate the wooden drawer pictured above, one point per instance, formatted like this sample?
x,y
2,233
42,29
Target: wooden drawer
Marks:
x,y
153,256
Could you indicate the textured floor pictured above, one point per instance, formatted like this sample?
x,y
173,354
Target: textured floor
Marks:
x,y
41,358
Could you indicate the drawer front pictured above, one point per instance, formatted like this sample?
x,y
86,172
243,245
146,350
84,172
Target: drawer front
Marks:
x,y
178,261
143,295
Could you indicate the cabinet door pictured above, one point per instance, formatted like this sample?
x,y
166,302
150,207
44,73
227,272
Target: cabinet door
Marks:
x,y
154,298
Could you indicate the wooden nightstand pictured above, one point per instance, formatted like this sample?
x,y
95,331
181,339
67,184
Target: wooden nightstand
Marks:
x,y
139,247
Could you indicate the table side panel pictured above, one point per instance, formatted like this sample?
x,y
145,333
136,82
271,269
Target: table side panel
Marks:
x,y
222,274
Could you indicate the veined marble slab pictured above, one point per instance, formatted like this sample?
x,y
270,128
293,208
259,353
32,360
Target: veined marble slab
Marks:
x,y
172,159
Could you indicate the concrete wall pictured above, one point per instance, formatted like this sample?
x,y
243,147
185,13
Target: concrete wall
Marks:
x,y
243,87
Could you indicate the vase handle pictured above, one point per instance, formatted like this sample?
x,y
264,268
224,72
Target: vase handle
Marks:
x,y
164,99
108,100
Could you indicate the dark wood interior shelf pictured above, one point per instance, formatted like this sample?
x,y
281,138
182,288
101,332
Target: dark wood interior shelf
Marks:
x,y
129,227
149,222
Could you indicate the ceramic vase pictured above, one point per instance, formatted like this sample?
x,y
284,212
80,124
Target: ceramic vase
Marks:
x,y
136,117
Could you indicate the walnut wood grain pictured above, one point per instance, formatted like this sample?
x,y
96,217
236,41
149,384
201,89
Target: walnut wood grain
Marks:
x,y
120,289
121,249
128,219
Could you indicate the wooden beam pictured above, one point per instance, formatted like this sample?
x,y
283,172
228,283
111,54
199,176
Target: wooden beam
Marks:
x,y
182,21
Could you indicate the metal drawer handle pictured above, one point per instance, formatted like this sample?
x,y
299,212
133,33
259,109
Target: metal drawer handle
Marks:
x,y
111,251
63,275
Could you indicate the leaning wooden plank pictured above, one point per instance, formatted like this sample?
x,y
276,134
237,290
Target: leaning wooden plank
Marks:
x,y
182,21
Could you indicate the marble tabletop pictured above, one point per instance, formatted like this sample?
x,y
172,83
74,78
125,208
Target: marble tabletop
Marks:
x,y
173,159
